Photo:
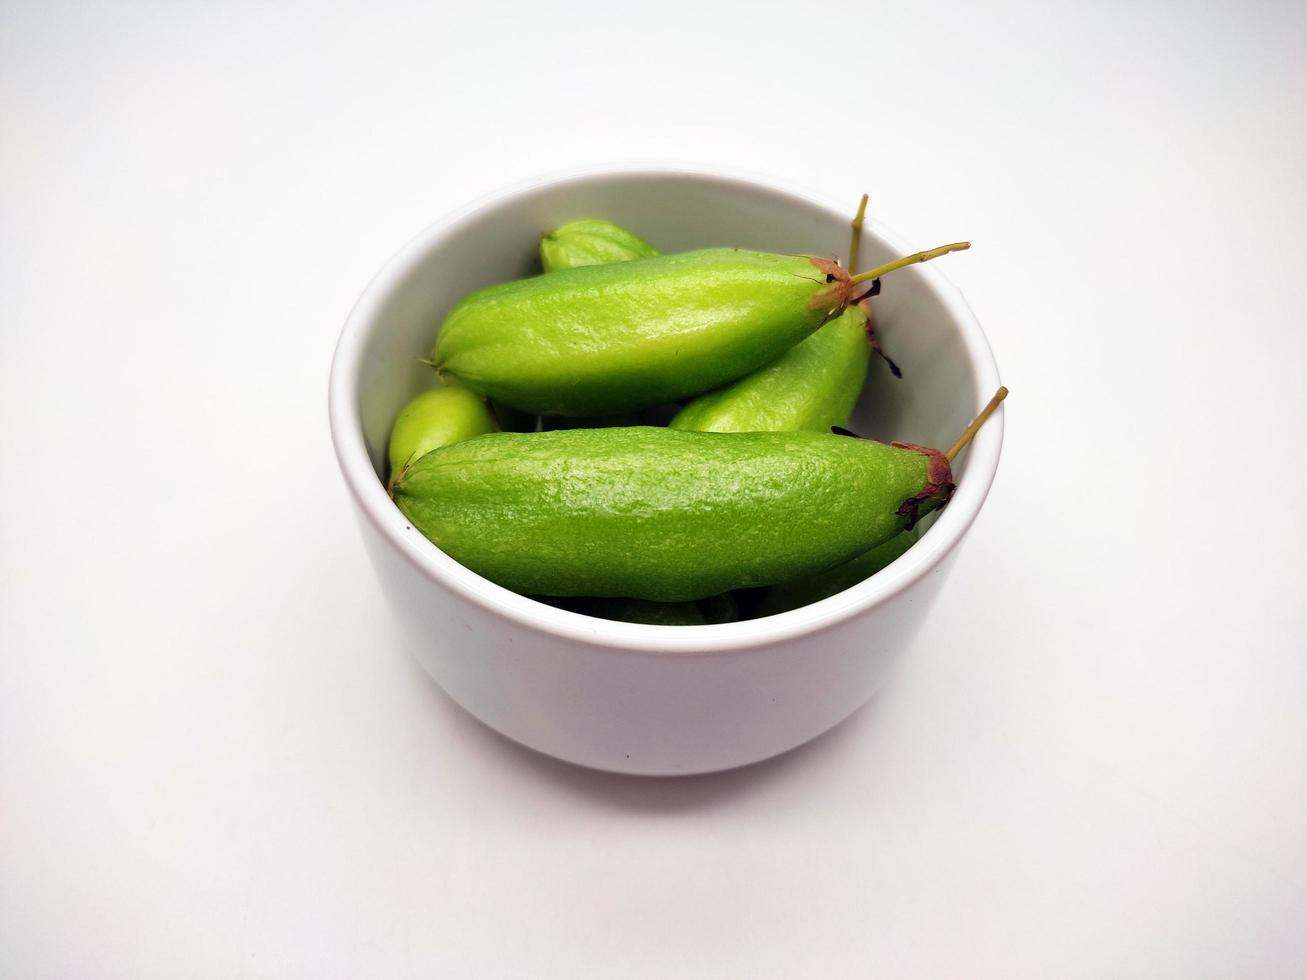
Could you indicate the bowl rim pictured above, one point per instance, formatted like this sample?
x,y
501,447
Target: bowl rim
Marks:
x,y
377,508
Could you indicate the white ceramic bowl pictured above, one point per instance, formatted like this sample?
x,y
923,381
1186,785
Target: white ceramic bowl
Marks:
x,y
628,697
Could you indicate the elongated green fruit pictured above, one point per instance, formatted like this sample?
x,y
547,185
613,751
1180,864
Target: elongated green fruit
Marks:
x,y
603,339
591,241
812,588
663,514
436,418
811,387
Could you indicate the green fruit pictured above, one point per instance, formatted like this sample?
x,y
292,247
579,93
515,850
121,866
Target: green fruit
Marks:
x,y
812,588
603,339
811,387
590,241
663,514
436,418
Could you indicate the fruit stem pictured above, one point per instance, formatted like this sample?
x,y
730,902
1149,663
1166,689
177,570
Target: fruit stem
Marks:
x,y
855,241
912,259
976,423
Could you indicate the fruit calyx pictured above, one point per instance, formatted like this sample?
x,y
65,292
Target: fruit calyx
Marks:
x,y
837,295
937,489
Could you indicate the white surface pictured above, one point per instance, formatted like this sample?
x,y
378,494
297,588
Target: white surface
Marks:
x,y
214,759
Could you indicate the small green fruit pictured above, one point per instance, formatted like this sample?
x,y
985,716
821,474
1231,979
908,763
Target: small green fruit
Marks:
x,y
435,418
591,241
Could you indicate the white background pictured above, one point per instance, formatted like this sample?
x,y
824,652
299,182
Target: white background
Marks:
x,y
216,760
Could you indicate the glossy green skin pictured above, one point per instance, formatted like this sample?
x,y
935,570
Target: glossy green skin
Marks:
x,y
813,588
810,387
659,514
436,418
604,339
591,241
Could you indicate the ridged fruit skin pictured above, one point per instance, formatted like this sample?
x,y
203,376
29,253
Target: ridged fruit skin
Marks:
x,y
811,387
591,241
662,514
603,339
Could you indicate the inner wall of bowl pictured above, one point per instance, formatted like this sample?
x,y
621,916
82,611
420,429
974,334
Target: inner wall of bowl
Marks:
x,y
930,405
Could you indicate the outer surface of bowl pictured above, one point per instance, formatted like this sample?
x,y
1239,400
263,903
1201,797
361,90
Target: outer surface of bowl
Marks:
x,y
630,697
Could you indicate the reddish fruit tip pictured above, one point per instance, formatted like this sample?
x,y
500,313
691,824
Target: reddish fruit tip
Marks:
x,y
836,295
937,489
